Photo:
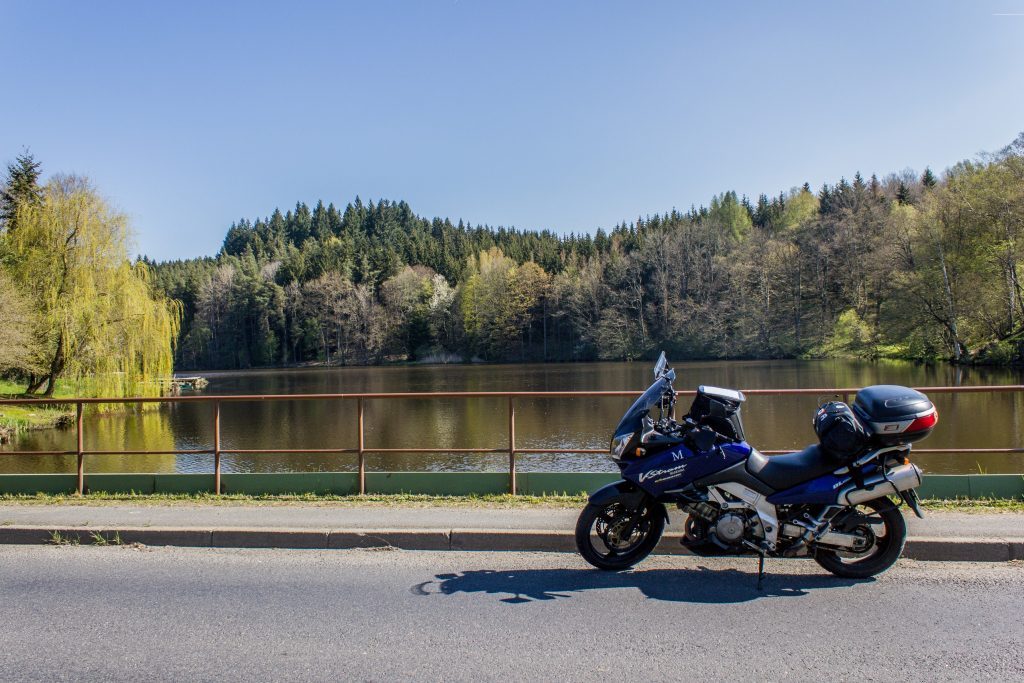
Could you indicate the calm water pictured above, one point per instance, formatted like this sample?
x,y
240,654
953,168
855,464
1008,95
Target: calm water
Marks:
x,y
967,420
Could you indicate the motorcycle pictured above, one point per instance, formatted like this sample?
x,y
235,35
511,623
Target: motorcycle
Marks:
x,y
837,500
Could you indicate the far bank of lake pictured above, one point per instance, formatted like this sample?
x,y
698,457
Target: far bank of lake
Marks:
x,y
977,420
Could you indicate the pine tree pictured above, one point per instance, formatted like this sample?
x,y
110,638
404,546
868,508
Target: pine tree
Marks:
x,y
761,218
20,187
903,193
928,178
825,198
875,187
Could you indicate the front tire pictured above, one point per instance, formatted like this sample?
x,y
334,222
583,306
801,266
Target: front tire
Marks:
x,y
613,537
888,536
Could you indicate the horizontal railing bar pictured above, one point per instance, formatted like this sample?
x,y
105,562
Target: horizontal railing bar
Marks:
x,y
260,451
918,451
581,451
968,450
998,388
190,452
527,451
327,397
1003,388
435,450
38,453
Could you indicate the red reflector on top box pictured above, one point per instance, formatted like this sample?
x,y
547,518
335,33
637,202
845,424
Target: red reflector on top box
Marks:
x,y
924,422
894,414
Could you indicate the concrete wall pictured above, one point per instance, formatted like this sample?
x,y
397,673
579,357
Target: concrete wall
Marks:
x,y
438,483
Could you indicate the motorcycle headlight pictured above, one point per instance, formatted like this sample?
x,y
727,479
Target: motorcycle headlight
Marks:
x,y
619,444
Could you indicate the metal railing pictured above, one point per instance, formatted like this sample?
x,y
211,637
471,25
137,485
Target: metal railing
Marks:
x,y
361,450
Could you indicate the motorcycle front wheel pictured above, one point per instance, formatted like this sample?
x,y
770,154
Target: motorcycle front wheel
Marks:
x,y
614,537
881,525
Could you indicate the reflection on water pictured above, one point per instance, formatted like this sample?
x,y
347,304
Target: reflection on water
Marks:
x,y
966,420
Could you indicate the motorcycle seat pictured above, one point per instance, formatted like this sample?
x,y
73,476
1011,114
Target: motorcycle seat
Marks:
x,y
786,471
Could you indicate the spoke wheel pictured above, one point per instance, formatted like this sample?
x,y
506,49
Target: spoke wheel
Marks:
x,y
614,537
883,533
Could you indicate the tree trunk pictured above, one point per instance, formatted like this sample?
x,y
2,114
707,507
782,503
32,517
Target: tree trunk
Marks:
x,y
951,305
34,383
56,367
544,327
799,299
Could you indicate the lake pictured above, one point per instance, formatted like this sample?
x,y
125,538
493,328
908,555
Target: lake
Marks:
x,y
966,420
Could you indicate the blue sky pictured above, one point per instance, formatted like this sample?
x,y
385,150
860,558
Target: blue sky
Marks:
x,y
565,116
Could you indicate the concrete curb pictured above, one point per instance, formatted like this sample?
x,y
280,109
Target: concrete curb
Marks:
x,y
521,540
964,549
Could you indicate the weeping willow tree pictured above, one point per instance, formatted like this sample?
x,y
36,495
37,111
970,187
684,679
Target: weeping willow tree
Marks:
x,y
102,329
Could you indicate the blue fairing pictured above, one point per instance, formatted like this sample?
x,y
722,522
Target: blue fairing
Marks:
x,y
824,491
631,421
678,466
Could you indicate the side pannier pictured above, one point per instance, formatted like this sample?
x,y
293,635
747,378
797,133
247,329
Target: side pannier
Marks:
x,y
841,434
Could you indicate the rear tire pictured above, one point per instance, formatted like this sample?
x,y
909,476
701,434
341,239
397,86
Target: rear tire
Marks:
x,y
889,538
613,537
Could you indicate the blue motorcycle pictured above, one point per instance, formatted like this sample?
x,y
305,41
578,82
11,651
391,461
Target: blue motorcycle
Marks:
x,y
837,500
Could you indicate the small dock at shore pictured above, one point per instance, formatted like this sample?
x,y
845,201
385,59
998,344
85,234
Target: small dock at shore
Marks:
x,y
175,385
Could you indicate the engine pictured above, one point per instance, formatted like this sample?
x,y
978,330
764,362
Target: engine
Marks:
x,y
727,529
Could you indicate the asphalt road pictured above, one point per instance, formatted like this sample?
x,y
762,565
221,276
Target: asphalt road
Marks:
x,y
119,613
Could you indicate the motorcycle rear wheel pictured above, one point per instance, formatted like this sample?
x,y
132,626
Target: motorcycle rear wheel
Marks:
x,y
888,538
613,537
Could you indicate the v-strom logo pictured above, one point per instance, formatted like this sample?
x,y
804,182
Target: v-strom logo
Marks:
x,y
662,474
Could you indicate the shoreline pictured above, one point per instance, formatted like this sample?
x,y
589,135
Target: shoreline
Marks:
x,y
324,365
15,420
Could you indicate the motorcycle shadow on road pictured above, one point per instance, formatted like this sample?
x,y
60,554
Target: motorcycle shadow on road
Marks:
x,y
698,585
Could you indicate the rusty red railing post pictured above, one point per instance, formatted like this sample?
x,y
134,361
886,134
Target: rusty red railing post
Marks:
x,y
216,447
79,428
512,445
361,447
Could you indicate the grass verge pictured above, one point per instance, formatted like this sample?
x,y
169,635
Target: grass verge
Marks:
x,y
502,501
980,506
499,501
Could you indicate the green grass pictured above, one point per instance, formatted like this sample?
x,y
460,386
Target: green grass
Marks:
x,y
100,539
56,538
980,506
21,418
502,501
9,389
304,499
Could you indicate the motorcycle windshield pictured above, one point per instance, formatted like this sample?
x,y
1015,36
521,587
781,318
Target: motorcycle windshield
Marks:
x,y
631,421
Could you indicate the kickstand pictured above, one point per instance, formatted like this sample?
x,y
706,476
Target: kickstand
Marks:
x,y
760,571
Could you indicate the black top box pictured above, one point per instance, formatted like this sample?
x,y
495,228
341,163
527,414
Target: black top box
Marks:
x,y
895,415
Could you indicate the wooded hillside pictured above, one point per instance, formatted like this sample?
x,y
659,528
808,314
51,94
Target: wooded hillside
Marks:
x,y
915,266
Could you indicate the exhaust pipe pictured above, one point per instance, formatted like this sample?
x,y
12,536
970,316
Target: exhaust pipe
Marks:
x,y
893,481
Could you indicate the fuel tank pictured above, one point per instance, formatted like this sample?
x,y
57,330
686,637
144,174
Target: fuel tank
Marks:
x,y
678,465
